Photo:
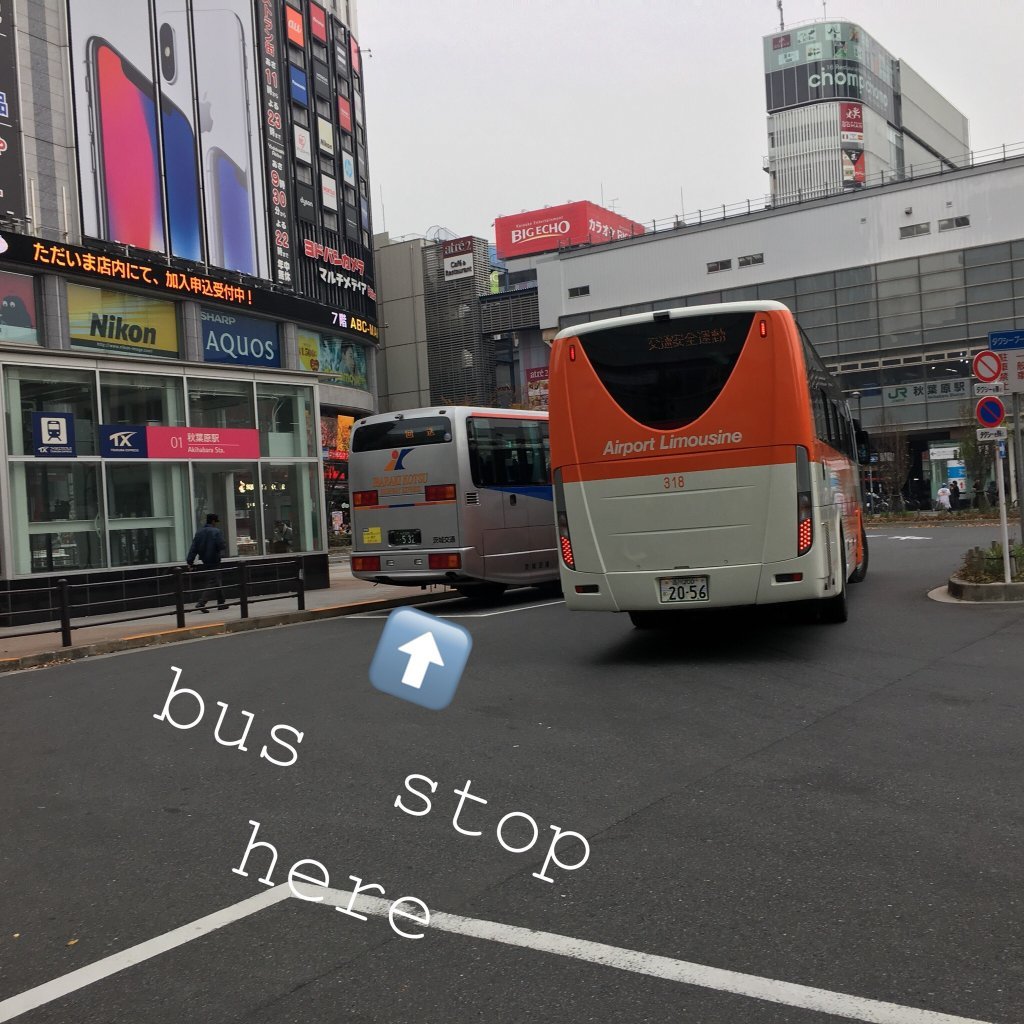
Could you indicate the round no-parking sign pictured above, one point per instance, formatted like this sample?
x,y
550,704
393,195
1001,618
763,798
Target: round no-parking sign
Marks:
x,y
988,366
990,411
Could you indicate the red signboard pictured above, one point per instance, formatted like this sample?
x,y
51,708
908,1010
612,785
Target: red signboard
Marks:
x,y
556,226
293,24
851,117
203,443
353,49
345,114
318,23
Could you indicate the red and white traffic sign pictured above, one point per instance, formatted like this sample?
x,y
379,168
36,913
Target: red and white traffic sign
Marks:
x,y
990,411
988,366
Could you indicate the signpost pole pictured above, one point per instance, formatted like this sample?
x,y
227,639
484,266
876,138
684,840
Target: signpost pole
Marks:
x,y
1002,518
1018,458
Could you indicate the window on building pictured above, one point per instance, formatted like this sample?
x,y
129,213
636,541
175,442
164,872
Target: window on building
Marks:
x,y
285,419
718,265
583,289
220,403
147,512
142,399
39,389
913,230
57,508
753,260
949,223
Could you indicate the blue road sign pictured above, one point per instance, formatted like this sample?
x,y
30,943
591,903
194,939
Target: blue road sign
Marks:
x,y
420,658
998,340
1002,449
990,411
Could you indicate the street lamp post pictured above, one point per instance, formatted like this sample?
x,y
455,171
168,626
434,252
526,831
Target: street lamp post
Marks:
x,y
860,421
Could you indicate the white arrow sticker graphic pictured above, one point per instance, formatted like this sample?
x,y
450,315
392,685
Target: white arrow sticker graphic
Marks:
x,y
422,653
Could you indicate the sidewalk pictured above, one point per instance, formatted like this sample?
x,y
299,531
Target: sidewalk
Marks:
x,y
345,596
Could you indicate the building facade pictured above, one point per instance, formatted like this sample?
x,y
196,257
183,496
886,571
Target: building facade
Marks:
x,y
843,112
187,289
897,286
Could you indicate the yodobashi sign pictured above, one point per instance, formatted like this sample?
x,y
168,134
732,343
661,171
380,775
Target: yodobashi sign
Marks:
x,y
239,340
457,257
554,226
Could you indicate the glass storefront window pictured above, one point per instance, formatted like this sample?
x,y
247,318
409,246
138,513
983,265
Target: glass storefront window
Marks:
x,y
220,403
230,490
142,399
57,516
47,389
285,418
291,502
147,512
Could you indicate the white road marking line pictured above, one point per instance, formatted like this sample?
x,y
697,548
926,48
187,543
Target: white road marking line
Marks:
x,y
59,987
752,986
836,1003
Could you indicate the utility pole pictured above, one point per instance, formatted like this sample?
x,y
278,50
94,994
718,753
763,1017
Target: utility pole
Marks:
x,y
782,23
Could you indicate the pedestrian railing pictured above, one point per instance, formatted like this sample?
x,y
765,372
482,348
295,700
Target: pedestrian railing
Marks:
x,y
244,584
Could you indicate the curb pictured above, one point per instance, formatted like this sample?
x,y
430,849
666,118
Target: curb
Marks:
x,y
44,659
1002,593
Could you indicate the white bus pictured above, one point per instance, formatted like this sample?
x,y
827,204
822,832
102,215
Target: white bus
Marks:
x,y
455,495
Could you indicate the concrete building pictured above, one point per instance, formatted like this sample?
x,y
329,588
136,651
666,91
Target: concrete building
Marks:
x,y
187,301
844,113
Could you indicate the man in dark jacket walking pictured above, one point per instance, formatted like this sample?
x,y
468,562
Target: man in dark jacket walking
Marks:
x,y
209,547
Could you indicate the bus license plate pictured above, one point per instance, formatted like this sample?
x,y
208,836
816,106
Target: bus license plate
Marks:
x,y
684,588
399,537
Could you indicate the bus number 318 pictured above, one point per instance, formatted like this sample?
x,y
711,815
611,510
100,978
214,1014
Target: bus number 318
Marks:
x,y
673,482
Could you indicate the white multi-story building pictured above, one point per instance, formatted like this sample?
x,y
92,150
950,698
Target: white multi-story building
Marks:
x,y
843,113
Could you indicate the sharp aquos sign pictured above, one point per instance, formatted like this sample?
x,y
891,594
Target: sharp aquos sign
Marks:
x,y
557,226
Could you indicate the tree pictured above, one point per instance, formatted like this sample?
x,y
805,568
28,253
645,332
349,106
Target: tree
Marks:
x,y
976,457
894,459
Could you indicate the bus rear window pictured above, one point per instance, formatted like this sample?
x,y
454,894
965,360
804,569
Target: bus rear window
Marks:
x,y
666,374
375,437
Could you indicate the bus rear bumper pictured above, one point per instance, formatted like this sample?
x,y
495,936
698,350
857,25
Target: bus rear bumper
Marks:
x,y
728,587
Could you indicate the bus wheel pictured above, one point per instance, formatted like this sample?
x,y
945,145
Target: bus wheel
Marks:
x,y
862,570
834,609
645,620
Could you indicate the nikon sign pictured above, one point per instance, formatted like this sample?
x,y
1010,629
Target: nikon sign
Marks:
x,y
102,318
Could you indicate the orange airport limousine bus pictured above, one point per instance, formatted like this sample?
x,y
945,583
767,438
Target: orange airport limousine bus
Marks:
x,y
702,457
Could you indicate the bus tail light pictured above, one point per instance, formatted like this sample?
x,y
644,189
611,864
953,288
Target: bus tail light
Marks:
x,y
804,506
564,543
364,499
366,563
572,353
445,561
764,328
439,492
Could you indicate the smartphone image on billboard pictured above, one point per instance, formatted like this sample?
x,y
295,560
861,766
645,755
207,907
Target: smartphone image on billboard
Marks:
x,y
180,143
232,211
231,144
125,148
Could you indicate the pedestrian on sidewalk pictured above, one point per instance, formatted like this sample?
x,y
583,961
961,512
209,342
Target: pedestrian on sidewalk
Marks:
x,y
209,547
942,498
954,496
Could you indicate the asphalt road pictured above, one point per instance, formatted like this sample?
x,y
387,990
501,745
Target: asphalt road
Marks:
x,y
829,806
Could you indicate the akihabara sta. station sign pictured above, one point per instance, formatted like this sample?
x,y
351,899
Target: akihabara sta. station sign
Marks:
x,y
557,226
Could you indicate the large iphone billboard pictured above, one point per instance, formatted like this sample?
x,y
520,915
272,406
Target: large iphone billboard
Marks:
x,y
169,110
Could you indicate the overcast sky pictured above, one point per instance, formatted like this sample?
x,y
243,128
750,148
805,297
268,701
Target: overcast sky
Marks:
x,y
479,108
